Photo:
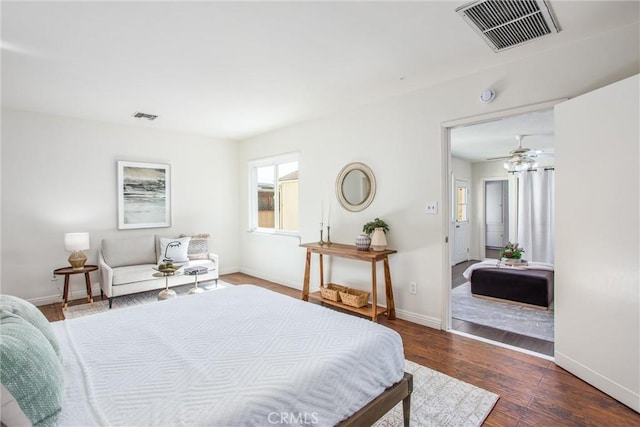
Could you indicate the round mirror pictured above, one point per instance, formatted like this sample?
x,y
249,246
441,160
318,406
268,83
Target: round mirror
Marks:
x,y
355,187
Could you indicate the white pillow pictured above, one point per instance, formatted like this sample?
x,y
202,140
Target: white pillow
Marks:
x,y
174,250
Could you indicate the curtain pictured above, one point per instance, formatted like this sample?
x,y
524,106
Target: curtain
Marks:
x,y
535,215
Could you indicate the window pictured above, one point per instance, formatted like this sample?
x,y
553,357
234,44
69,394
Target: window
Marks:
x,y
461,201
274,194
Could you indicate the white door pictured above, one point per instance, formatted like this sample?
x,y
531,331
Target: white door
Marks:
x,y
495,213
597,256
461,222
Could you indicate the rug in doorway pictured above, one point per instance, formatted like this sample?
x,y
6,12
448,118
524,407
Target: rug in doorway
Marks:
x,y
515,318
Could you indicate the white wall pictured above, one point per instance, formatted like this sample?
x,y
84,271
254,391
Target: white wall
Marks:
x,y
598,239
59,176
400,139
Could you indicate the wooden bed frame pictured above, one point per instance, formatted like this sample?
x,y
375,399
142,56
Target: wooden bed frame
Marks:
x,y
400,391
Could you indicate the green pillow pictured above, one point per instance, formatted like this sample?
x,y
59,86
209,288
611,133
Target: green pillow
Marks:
x,y
30,372
31,314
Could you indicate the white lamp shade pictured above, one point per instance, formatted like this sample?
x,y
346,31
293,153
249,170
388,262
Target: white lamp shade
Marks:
x,y
76,241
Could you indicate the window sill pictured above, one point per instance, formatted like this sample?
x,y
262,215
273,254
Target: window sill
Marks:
x,y
274,232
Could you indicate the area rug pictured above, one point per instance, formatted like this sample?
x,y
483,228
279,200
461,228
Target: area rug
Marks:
x,y
439,400
504,316
100,306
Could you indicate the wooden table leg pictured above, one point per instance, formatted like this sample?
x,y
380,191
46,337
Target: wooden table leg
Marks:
x,y
307,270
65,293
321,270
391,305
374,292
87,280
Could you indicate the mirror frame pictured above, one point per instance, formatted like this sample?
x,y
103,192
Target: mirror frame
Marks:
x,y
340,180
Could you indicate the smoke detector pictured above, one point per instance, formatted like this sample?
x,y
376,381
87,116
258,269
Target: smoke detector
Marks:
x,y
504,24
487,96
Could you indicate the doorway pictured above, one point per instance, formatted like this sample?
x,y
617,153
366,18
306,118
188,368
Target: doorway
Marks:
x,y
496,215
492,215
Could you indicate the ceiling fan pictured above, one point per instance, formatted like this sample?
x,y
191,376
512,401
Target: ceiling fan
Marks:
x,y
521,158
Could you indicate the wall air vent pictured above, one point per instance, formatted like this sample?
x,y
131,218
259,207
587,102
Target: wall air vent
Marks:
x,y
504,24
139,115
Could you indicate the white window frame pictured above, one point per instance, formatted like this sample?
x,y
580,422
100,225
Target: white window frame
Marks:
x,y
253,194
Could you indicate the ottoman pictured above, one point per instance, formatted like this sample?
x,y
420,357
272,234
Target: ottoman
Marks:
x,y
526,286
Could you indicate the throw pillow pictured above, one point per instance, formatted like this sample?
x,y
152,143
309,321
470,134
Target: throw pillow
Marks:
x,y
31,375
31,314
198,246
174,250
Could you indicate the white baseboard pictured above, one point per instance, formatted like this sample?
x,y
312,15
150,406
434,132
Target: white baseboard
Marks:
x,y
420,319
77,294
617,391
280,280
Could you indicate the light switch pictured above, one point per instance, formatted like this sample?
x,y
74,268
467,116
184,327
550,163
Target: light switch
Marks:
x,y
431,208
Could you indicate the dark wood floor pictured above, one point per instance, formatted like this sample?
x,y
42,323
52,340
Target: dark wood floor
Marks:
x,y
534,392
522,341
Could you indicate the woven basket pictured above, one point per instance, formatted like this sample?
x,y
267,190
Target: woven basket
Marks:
x,y
354,297
331,291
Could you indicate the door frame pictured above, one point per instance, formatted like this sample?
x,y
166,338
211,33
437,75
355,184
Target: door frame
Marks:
x,y
447,187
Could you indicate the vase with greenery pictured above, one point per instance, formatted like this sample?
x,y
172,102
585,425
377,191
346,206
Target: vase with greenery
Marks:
x,y
369,227
511,251
377,230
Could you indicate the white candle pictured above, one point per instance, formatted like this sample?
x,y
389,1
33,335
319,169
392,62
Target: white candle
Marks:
x,y
329,215
321,211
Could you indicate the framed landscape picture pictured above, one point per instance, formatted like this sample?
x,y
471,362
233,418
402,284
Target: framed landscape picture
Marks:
x,y
144,195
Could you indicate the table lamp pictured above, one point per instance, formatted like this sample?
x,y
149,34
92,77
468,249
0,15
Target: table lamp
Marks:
x,y
77,242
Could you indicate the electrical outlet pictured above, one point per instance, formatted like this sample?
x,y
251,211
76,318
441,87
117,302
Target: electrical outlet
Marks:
x,y
431,208
412,287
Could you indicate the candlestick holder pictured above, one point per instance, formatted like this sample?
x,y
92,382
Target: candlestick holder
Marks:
x,y
321,242
328,235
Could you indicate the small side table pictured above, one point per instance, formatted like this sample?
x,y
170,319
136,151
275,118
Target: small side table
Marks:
x,y
68,271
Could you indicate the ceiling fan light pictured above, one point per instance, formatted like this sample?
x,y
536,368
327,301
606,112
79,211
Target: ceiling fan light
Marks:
x,y
520,163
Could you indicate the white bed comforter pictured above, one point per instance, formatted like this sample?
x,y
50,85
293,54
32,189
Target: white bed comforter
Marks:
x,y
240,356
493,263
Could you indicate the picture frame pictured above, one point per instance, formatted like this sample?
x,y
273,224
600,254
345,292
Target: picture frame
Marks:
x,y
144,195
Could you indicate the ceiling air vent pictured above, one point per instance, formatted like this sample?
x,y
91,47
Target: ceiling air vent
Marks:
x,y
139,115
504,23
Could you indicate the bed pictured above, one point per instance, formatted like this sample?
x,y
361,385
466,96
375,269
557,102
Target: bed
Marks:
x,y
240,356
530,284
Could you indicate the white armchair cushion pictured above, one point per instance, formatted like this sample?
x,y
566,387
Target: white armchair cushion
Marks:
x,y
133,273
119,252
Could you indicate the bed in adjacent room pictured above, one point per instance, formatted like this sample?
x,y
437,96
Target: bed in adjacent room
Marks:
x,y
240,356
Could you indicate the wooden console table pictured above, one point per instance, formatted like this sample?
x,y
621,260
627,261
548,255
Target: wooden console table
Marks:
x,y
351,252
